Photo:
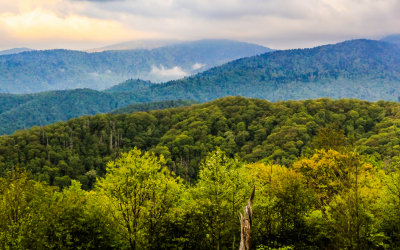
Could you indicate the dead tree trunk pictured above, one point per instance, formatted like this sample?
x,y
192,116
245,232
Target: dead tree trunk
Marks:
x,y
245,224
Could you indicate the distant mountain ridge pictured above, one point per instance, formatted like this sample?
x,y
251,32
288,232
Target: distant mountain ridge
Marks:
x,y
147,44
37,71
362,69
395,38
14,51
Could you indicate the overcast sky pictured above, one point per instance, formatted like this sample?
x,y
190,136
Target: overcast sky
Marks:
x,y
279,24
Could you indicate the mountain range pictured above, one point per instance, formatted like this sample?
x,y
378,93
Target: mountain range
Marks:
x,y
14,51
137,44
363,69
36,71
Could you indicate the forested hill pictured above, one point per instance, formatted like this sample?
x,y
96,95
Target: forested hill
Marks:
x,y
324,174
133,85
25,111
36,71
362,69
256,130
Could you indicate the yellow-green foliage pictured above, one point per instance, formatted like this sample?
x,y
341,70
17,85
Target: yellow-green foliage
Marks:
x,y
331,199
323,178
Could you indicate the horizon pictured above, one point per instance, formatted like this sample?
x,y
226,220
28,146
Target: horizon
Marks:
x,y
105,47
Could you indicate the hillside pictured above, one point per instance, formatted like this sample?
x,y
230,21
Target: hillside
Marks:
x,y
255,129
321,174
362,69
49,107
36,71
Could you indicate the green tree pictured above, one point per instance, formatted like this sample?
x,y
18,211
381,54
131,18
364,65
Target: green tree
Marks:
x,y
347,190
77,220
389,203
219,195
141,194
281,204
23,211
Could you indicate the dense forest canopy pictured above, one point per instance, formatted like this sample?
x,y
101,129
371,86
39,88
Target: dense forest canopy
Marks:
x,y
334,199
255,130
137,107
362,69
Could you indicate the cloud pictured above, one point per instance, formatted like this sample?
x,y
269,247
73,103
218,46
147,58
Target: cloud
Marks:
x,y
163,74
45,24
98,0
276,23
197,66
58,22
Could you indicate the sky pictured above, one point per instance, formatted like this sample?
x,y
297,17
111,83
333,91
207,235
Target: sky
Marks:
x,y
278,24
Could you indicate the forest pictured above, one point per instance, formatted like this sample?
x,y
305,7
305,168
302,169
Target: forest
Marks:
x,y
137,107
326,174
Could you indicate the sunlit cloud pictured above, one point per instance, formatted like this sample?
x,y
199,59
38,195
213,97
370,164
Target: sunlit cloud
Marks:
x,y
58,22
42,24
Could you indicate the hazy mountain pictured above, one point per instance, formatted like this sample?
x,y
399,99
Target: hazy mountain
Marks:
x,y
14,51
362,69
138,44
392,38
36,71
